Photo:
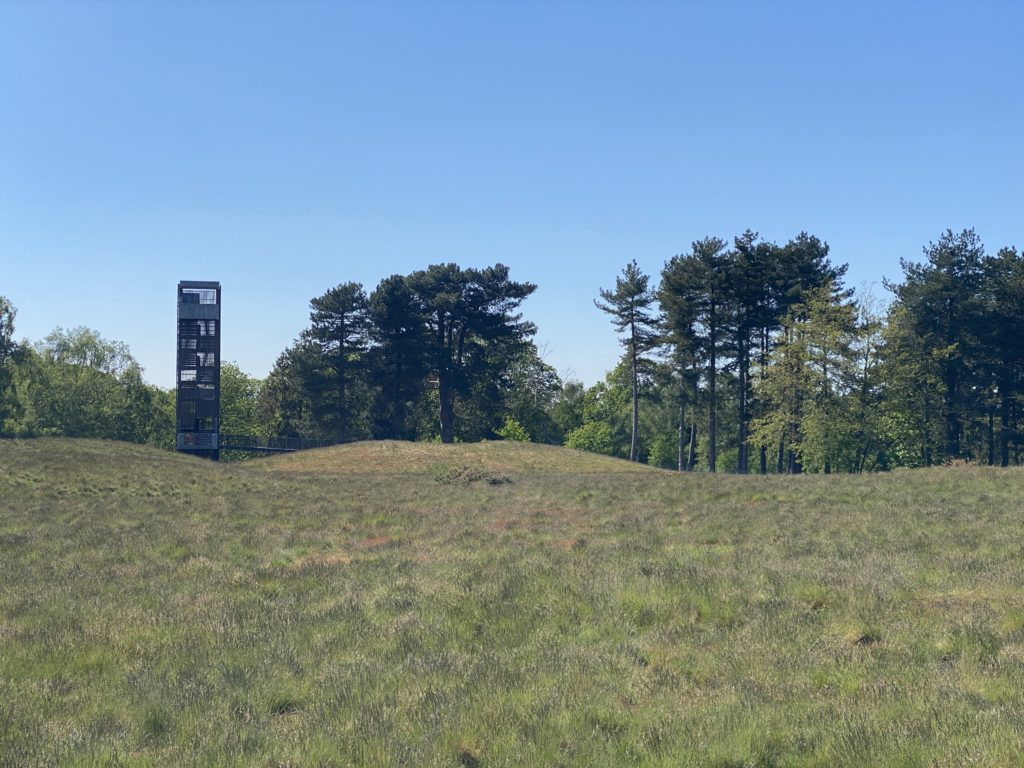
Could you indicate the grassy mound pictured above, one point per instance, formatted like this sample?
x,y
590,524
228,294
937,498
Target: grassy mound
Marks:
x,y
398,457
162,610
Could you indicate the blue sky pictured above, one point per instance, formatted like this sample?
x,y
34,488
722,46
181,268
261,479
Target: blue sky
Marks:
x,y
283,148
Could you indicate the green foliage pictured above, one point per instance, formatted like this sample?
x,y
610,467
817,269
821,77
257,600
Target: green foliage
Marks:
x,y
472,330
911,410
75,383
241,411
663,452
758,358
398,359
593,436
7,343
722,314
807,385
944,313
605,416
567,406
531,389
339,329
377,366
8,350
514,431
630,308
292,391
759,337
694,298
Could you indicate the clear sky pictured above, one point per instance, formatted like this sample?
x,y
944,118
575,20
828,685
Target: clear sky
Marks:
x,y
282,148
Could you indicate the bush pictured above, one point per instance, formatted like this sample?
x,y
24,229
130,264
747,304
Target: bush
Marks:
x,y
594,436
513,430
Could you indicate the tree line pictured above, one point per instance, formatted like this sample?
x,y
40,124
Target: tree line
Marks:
x,y
762,351
742,356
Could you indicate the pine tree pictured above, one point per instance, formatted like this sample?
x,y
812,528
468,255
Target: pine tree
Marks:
x,y
398,360
630,307
340,325
941,298
679,300
750,269
1002,350
472,329
698,282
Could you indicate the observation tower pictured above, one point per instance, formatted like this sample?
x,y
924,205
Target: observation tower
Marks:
x,y
198,379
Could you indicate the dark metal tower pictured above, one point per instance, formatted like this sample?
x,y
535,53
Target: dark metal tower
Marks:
x,y
198,400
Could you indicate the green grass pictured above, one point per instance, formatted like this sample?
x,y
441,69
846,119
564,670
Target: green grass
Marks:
x,y
502,605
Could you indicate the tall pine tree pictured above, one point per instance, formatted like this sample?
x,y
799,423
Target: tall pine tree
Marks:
x,y
340,325
630,308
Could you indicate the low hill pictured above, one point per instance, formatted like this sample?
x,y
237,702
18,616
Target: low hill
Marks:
x,y
329,609
399,457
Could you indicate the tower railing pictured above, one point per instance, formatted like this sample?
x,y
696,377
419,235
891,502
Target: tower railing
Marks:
x,y
270,444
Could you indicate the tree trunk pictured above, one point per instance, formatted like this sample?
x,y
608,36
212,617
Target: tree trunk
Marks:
x,y
952,420
446,394
712,390
634,447
744,373
342,410
691,462
398,414
780,457
991,436
681,438
763,452
1004,426
926,436
795,467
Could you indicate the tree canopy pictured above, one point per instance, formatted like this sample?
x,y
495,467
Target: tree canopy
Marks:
x,y
746,355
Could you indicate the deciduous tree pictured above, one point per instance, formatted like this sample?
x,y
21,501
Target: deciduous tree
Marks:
x,y
8,348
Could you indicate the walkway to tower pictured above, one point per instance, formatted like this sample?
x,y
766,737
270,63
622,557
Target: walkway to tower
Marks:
x,y
269,444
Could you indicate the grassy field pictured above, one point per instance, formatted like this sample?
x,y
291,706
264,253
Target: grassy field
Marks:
x,y
502,605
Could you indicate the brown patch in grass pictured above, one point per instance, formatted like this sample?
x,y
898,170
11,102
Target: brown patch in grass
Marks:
x,y
503,524
323,560
376,542
959,602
